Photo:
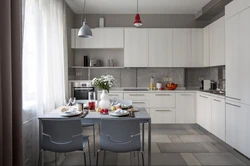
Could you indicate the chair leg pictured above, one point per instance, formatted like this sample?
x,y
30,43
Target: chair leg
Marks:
x,y
97,155
94,138
138,158
142,156
39,158
84,155
104,157
89,154
55,160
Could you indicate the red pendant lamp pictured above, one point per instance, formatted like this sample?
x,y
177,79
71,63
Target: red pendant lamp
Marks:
x,y
137,21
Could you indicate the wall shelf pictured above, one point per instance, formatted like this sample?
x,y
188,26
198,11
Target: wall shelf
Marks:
x,y
102,67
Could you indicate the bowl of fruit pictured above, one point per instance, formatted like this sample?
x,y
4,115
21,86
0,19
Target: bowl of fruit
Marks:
x,y
171,86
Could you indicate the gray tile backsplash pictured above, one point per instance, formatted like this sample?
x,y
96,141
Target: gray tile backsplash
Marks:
x,y
139,77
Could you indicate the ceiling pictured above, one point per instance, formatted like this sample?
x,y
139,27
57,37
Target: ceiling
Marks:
x,y
145,6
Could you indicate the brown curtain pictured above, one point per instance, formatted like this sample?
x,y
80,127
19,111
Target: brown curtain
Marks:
x,y
11,150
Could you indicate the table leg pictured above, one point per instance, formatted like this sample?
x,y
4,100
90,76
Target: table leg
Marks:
x,y
143,137
149,142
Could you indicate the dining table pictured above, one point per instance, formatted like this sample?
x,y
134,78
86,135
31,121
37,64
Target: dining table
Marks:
x,y
95,117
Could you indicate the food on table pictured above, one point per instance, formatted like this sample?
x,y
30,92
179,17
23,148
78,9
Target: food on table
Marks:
x,y
104,111
171,86
162,88
113,108
64,109
98,109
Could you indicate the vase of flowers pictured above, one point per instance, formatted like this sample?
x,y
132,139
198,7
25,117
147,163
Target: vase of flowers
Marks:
x,y
104,83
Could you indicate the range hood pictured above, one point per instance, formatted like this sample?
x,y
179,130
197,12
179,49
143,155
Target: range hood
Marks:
x,y
212,9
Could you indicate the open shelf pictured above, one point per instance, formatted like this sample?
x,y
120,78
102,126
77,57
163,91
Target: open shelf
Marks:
x,y
101,67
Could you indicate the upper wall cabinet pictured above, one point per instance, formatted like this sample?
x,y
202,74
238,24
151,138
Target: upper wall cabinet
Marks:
x,y
181,47
197,48
136,48
160,47
235,7
206,46
102,38
217,43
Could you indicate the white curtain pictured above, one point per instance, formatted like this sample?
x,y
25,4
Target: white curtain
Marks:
x,y
44,52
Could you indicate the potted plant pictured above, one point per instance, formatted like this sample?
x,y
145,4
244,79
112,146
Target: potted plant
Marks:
x,y
104,83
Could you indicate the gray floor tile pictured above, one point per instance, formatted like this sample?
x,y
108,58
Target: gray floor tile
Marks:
x,y
210,147
162,159
177,132
154,148
196,138
218,159
174,139
220,148
192,131
181,148
158,138
190,159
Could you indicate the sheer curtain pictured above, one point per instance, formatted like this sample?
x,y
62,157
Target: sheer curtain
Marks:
x,y
44,51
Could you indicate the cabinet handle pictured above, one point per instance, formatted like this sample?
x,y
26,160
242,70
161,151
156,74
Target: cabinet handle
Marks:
x,y
233,98
164,110
203,96
139,102
113,95
162,94
136,94
233,105
217,100
186,95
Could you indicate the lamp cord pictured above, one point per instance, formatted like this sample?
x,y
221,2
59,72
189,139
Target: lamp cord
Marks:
x,y
137,6
84,12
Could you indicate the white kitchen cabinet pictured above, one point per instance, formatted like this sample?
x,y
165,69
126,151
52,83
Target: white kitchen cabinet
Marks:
x,y
185,108
113,95
206,46
236,7
217,42
102,38
181,47
160,47
197,47
233,60
140,100
204,111
162,115
218,118
237,126
162,100
136,48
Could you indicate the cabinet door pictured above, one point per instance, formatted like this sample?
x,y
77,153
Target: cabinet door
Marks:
x,y
138,99
113,95
94,42
112,37
181,47
237,126
197,48
244,56
199,113
185,108
204,112
136,48
219,118
233,59
206,46
162,100
217,43
162,115
160,47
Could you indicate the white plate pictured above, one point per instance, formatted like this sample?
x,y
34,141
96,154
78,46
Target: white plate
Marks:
x,y
112,113
69,114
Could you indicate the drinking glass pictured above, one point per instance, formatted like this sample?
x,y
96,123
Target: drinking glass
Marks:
x,y
73,101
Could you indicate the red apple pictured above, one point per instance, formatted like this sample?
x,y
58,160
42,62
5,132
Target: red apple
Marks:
x,y
101,111
106,111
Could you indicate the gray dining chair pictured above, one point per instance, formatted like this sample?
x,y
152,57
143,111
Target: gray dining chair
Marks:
x,y
84,125
62,136
120,136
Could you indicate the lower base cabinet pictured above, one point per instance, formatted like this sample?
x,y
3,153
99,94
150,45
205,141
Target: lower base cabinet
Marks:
x,y
162,115
185,108
218,118
237,126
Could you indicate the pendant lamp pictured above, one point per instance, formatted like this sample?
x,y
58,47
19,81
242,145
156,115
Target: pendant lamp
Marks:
x,y
84,31
137,21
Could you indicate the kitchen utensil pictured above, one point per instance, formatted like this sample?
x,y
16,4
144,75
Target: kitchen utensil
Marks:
x,y
213,85
85,61
94,63
119,113
171,86
79,106
72,113
152,83
206,84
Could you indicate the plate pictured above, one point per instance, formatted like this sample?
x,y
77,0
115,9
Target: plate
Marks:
x,y
125,113
69,114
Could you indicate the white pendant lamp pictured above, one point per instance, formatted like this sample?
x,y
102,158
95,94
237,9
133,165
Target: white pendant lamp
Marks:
x,y
85,31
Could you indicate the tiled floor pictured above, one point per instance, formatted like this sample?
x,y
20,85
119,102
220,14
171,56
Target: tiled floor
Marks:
x,y
182,145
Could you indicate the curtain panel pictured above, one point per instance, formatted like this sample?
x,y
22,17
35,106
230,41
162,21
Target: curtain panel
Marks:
x,y
11,150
